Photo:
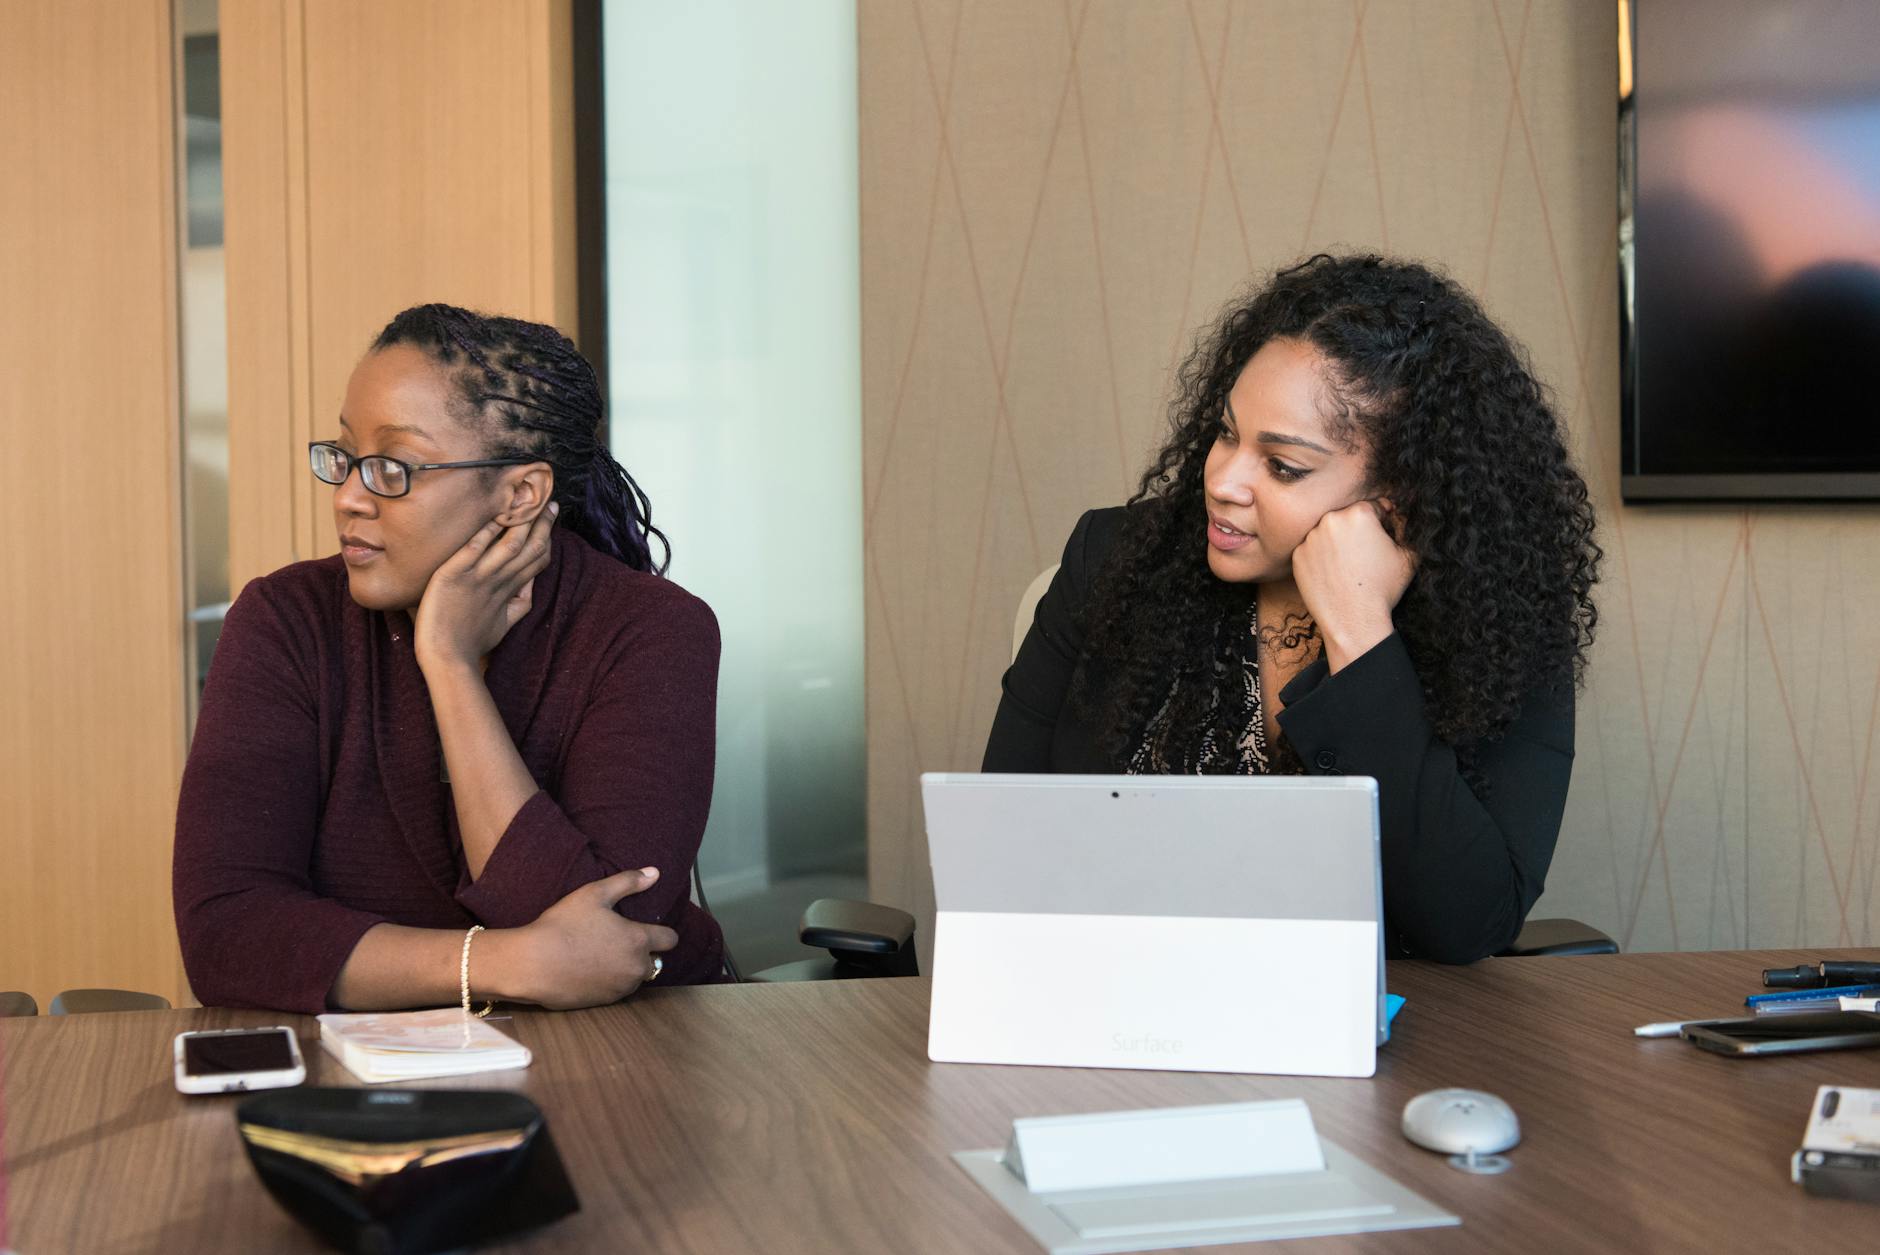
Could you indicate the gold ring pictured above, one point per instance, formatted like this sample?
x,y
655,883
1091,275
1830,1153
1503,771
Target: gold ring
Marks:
x,y
659,965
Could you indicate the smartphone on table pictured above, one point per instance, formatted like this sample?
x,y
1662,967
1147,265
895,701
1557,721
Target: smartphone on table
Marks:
x,y
218,1061
1787,1034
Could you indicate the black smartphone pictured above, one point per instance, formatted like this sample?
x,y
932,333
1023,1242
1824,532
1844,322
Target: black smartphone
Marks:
x,y
1787,1034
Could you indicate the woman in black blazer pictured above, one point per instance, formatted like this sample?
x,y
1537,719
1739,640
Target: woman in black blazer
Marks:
x,y
1363,550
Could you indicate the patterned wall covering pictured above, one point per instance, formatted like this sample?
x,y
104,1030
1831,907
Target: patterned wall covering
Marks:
x,y
1057,193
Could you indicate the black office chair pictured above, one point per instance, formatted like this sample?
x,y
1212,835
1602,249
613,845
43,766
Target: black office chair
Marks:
x,y
864,939
90,1001
1558,936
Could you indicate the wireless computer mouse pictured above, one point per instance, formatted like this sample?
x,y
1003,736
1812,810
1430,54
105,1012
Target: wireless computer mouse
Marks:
x,y
1462,1122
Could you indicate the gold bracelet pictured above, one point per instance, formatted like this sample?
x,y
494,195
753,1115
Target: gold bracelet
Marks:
x,y
463,974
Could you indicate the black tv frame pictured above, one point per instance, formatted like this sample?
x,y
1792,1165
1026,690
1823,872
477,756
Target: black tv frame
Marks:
x,y
1637,488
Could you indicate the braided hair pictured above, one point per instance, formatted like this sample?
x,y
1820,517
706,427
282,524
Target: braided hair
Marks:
x,y
1464,443
535,396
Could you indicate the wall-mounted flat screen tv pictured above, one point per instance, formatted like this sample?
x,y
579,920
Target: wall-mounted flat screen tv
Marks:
x,y
1750,249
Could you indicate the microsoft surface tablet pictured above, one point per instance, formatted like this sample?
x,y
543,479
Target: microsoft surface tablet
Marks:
x,y
1211,924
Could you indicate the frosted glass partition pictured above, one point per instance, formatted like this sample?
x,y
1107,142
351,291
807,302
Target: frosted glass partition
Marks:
x,y
733,279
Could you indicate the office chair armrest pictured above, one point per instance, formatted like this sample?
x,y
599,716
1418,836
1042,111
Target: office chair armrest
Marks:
x,y
857,927
867,934
1559,936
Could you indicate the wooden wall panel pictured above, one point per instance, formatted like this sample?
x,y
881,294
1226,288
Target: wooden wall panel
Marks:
x,y
378,155
264,199
1057,193
91,726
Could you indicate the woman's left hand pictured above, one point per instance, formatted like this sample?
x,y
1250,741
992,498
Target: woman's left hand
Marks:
x,y
1351,573
481,591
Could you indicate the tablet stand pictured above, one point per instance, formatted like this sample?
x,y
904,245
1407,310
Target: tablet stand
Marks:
x,y
1188,1176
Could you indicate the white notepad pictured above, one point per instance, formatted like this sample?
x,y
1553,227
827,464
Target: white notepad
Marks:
x,y
411,1045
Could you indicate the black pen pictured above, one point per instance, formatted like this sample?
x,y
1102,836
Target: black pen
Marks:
x,y
1827,972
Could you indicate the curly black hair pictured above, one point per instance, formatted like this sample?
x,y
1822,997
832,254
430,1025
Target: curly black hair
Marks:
x,y
1465,444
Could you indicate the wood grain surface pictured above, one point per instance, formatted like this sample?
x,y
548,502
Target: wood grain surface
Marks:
x,y
376,156
807,1118
91,727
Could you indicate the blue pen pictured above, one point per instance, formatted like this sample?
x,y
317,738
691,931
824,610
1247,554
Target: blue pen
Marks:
x,y
1829,999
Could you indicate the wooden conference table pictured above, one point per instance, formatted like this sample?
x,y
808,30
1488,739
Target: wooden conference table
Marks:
x,y
807,1118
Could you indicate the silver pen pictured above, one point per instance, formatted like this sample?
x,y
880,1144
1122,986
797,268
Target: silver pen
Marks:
x,y
1666,1028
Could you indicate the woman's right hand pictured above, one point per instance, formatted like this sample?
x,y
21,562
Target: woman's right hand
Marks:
x,y
480,592
580,952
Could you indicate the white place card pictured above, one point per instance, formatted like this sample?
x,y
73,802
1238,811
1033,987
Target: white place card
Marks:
x,y
1159,1147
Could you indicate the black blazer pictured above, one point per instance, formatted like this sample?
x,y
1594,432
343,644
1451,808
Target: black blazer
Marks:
x,y
1460,872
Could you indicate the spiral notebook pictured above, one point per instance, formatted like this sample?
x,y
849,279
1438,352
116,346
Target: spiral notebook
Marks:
x,y
378,1046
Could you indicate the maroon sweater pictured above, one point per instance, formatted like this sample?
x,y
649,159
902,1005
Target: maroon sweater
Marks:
x,y
313,808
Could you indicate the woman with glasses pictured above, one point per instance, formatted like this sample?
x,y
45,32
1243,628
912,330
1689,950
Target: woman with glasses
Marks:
x,y
471,754
1363,550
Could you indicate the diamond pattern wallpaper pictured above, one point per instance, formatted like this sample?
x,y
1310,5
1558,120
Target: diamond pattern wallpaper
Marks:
x,y
1057,194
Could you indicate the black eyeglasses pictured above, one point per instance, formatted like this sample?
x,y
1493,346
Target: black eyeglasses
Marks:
x,y
383,476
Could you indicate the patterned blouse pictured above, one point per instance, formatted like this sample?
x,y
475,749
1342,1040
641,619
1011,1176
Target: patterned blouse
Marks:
x,y
1163,751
